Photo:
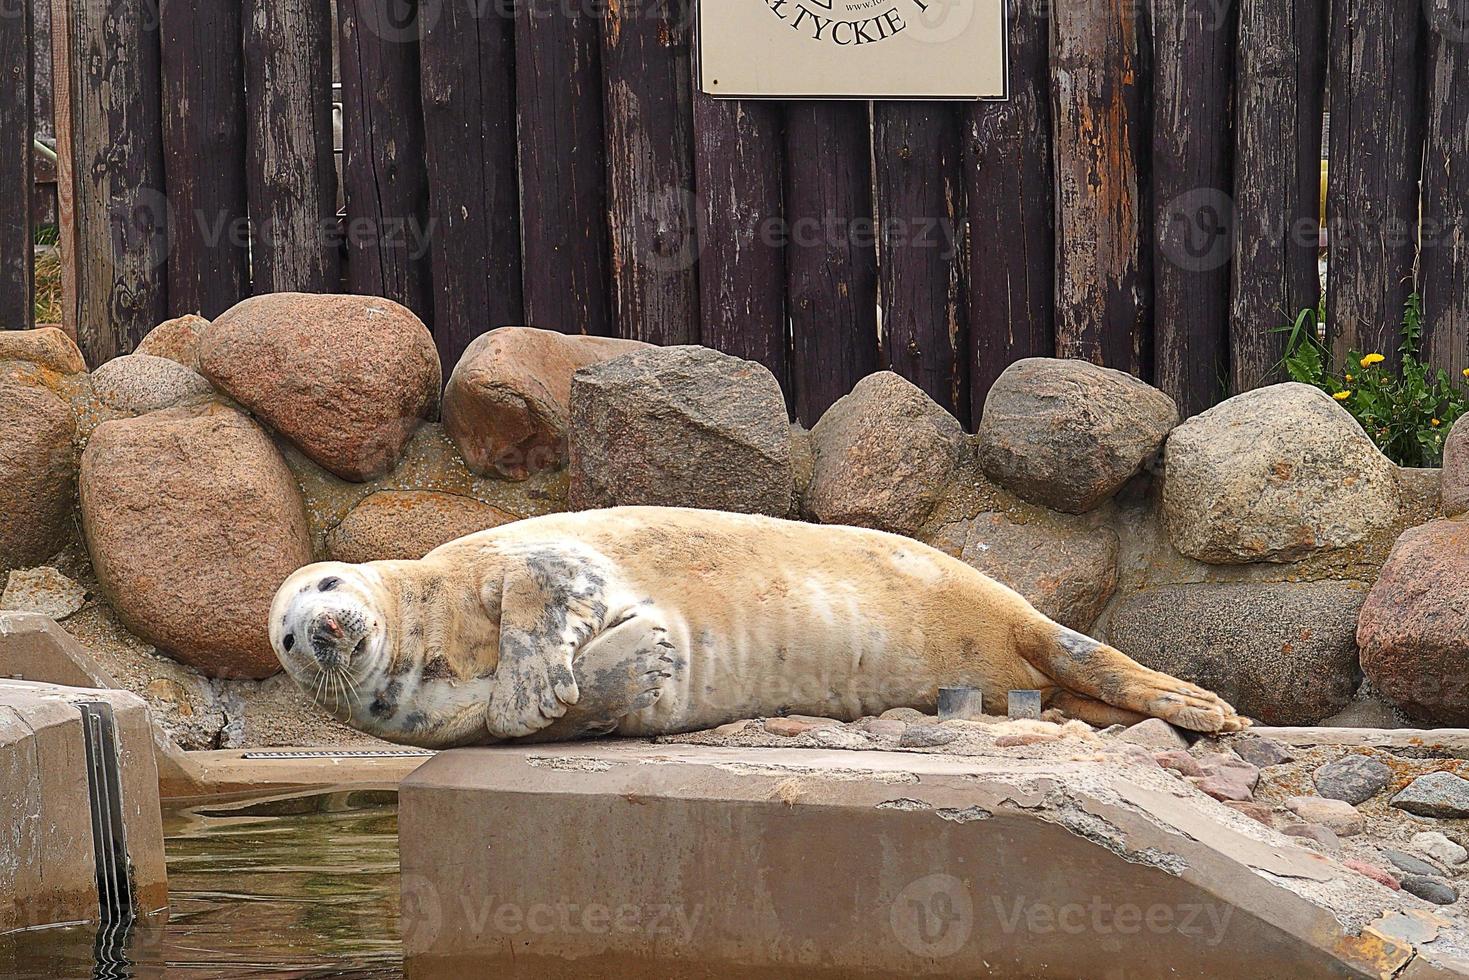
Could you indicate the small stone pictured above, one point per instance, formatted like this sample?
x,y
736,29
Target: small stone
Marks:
x,y
1431,889
816,721
1237,769
881,727
176,339
1353,778
787,727
1025,738
1155,734
1319,833
139,383
732,729
1223,787
926,737
1372,871
1136,754
1438,794
1179,761
839,738
1258,812
1439,847
911,716
42,590
1408,864
1261,752
1339,815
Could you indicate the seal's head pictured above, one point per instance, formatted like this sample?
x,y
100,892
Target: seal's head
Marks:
x,y
329,631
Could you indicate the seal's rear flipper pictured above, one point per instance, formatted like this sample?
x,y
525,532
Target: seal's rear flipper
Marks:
x,y
1092,669
620,671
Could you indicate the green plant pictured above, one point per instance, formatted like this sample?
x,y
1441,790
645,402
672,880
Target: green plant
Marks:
x,y
1407,412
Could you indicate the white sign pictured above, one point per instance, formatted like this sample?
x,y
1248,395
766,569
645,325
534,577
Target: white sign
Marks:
x,y
853,49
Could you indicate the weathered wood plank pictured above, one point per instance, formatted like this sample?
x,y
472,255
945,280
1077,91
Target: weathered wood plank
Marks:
x,y
739,170
17,251
292,175
563,174
918,155
43,93
1444,258
1099,73
1193,58
204,154
1376,160
468,76
62,71
646,70
384,171
120,209
1010,196
1277,181
831,253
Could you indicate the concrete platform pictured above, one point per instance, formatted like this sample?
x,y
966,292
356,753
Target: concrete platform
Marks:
x,y
635,859
57,824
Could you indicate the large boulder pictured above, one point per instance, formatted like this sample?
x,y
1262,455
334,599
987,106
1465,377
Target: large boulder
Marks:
x,y
1283,653
1414,630
883,456
346,378
141,383
37,474
1276,474
1068,574
508,402
408,524
48,347
1068,434
680,426
176,339
1455,485
193,521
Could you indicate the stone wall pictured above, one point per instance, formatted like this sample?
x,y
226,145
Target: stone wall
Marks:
x,y
154,504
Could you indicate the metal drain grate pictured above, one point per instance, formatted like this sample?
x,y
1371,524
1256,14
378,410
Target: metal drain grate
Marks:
x,y
109,835
343,754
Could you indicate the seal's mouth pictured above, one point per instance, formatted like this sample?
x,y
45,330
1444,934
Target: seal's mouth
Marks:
x,y
337,636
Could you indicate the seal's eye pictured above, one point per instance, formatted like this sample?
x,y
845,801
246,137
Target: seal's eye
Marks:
x,y
327,584
290,641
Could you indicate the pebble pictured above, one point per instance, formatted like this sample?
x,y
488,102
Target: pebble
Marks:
x,y
839,738
1261,752
881,727
1338,815
1223,788
1258,812
1136,754
1372,871
1322,835
1430,888
787,727
1352,778
926,737
1226,777
1408,864
1179,761
911,716
1438,794
42,590
1155,734
1028,738
816,721
1439,847
732,729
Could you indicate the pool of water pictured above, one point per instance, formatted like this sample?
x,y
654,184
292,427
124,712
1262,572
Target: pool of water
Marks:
x,y
297,887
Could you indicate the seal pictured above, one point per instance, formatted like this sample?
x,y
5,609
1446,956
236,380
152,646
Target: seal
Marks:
x,y
648,620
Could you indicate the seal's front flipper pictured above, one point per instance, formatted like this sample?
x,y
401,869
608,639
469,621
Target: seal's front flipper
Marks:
x,y
619,672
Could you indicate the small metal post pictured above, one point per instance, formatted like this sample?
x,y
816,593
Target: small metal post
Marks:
x,y
1025,704
961,703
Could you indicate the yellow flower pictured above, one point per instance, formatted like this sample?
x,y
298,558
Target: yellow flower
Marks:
x,y
1349,379
1342,396
1435,422
1372,359
1466,372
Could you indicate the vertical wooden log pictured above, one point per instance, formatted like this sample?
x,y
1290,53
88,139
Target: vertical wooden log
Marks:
x,y
66,226
1099,75
1193,58
383,167
204,154
468,76
120,211
563,174
1444,260
1277,181
831,253
292,175
1009,171
650,166
739,162
918,156
43,89
1376,162
17,250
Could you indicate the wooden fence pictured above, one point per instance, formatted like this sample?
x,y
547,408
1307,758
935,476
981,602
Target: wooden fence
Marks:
x,y
1147,199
